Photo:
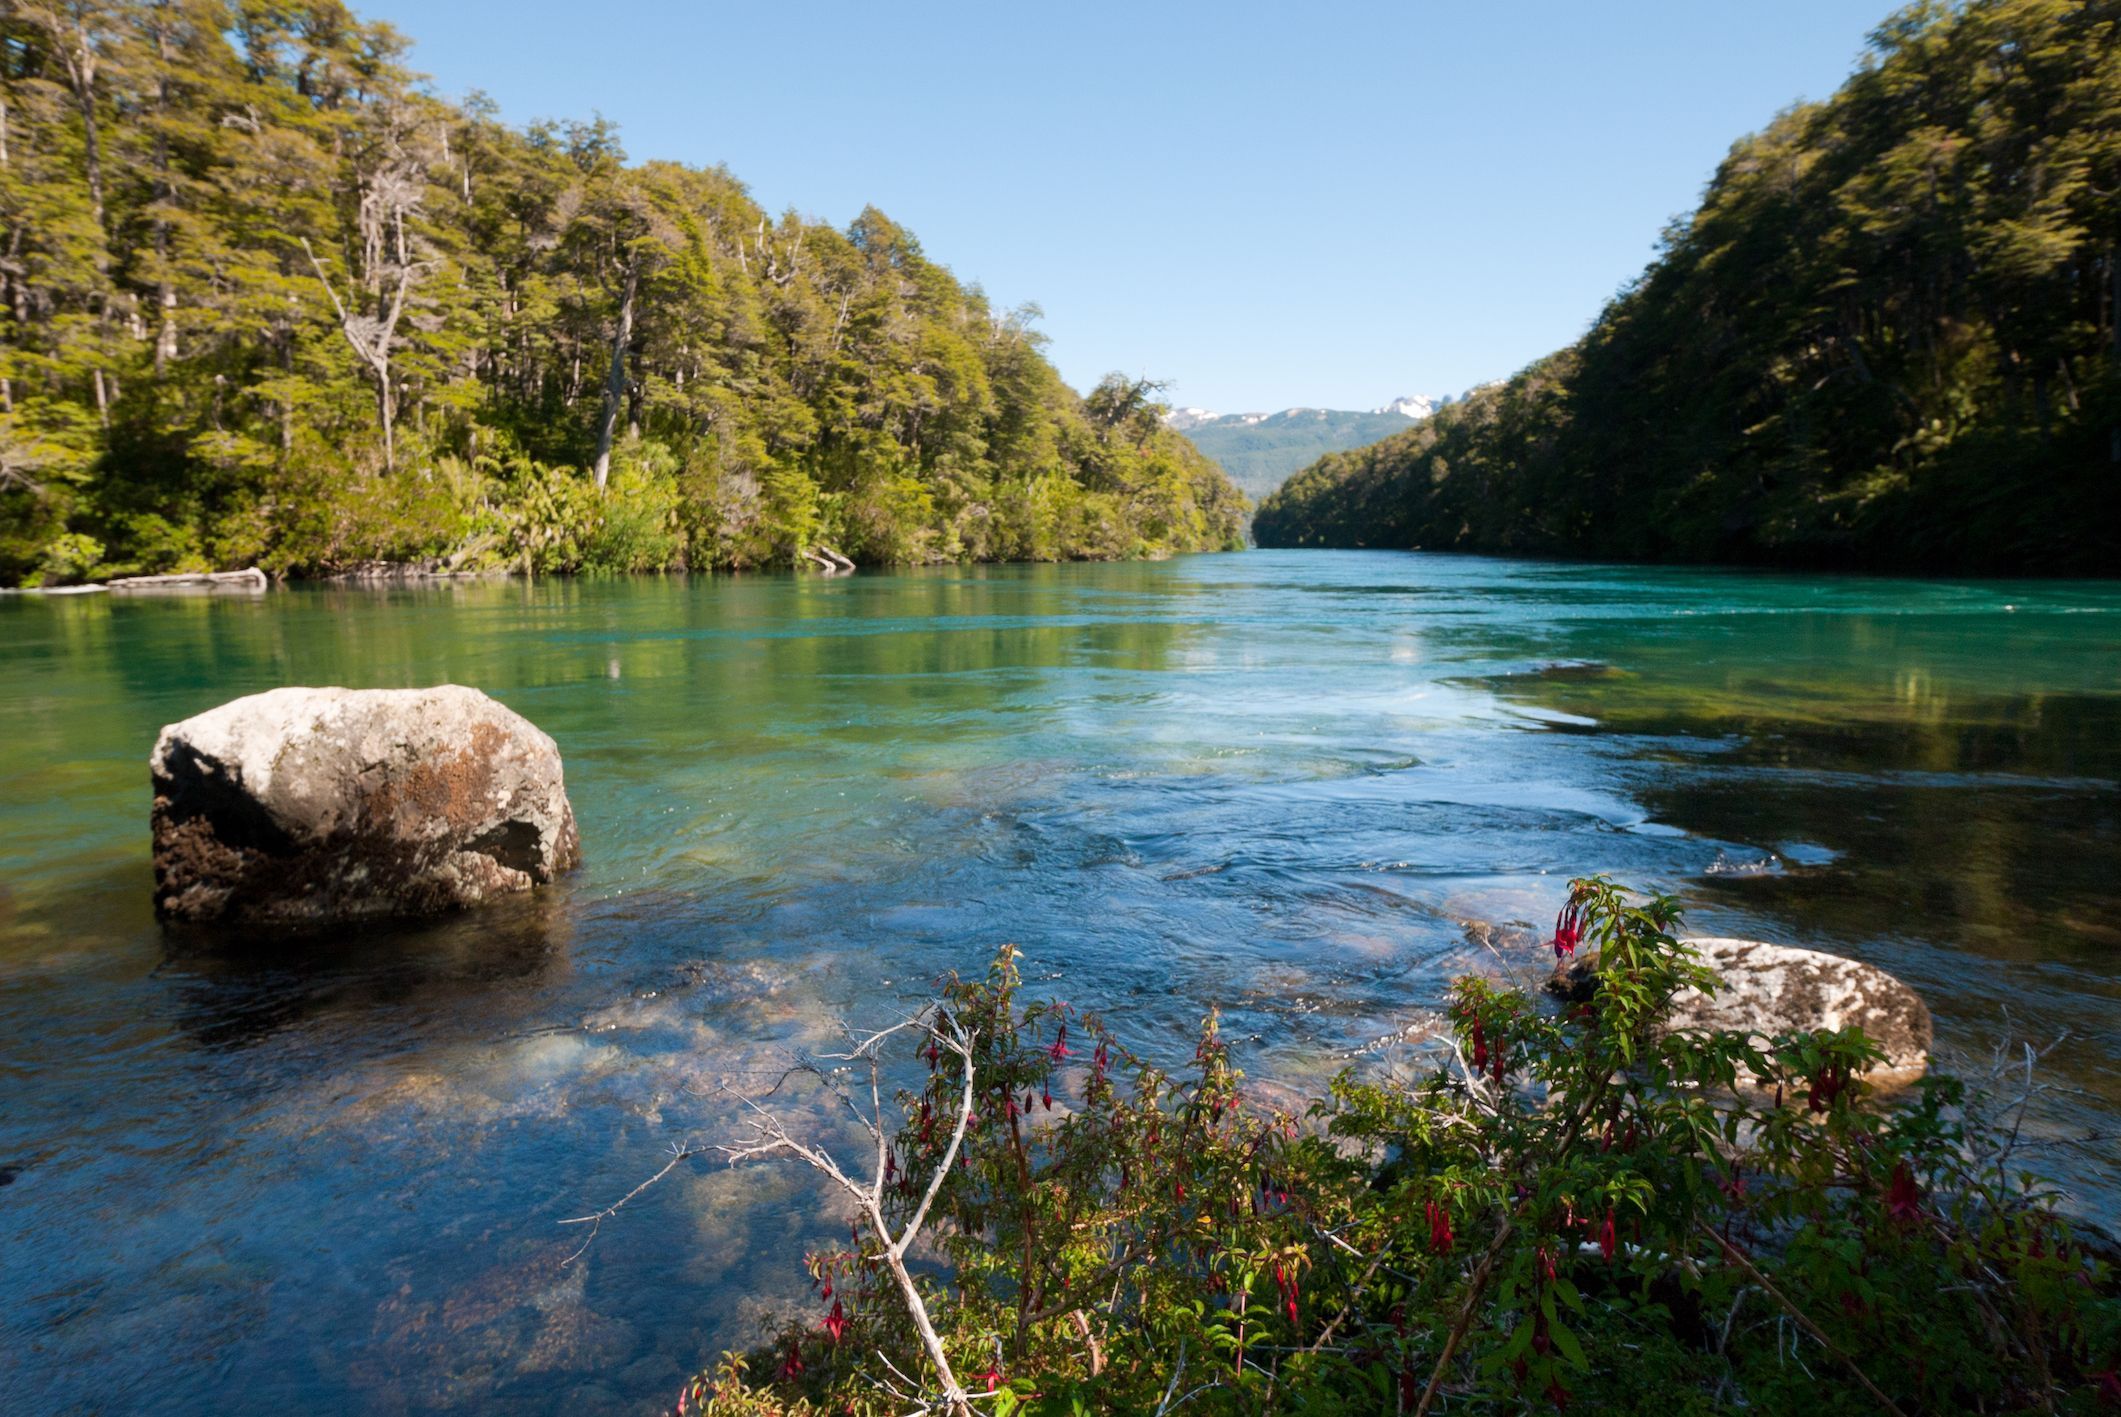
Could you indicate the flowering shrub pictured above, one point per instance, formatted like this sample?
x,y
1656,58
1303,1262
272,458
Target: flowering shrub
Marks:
x,y
1579,1204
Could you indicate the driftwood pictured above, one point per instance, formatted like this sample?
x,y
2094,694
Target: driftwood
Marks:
x,y
251,579
827,560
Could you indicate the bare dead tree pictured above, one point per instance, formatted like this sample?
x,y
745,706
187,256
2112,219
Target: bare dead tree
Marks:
x,y
387,270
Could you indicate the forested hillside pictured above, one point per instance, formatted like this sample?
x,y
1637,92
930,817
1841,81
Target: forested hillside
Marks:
x,y
1889,338
264,300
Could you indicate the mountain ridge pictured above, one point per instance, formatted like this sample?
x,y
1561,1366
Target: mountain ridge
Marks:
x,y
1259,451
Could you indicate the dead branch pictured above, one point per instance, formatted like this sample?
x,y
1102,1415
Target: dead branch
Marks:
x,y
770,1138
595,1220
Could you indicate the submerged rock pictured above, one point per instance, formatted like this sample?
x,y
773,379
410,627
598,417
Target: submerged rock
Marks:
x,y
1781,989
328,804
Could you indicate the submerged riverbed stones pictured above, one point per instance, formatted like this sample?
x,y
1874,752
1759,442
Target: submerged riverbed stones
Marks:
x,y
310,805
1774,989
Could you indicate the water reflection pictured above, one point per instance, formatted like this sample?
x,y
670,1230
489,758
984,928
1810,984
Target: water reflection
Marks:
x,y
232,988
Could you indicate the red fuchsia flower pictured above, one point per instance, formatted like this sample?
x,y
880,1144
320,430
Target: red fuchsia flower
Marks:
x,y
2109,1384
1903,1199
890,1164
1568,929
933,1053
1495,1065
1286,1283
1439,1228
1178,1192
993,1376
1480,1046
792,1367
1027,1104
1558,1395
1827,1085
836,1322
1060,1049
1608,1238
1735,1187
1546,1265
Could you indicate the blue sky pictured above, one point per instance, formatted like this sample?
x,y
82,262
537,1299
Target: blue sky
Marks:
x,y
1268,205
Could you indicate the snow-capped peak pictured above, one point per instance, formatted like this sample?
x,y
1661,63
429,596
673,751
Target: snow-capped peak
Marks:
x,y
1415,406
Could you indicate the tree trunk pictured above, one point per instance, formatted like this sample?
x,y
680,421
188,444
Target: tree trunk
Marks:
x,y
615,385
165,292
287,405
92,150
386,406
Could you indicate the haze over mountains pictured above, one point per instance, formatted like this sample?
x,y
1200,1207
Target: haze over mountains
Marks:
x,y
1261,450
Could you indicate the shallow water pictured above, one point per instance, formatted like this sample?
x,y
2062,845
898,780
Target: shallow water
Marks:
x,y
241,1174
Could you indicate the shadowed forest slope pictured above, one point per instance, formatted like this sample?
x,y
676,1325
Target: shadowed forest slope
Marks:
x,y
1890,338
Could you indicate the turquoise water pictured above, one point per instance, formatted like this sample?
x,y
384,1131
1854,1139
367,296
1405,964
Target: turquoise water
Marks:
x,y
244,1173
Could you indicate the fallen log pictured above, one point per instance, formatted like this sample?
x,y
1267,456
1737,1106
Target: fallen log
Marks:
x,y
251,579
827,560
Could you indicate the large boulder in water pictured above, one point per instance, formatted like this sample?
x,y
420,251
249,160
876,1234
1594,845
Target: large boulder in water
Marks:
x,y
329,804
1774,989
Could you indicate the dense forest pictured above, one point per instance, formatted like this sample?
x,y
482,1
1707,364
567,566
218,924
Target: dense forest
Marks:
x,y
1889,338
266,300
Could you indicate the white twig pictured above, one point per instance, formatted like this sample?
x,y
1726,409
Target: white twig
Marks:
x,y
595,1221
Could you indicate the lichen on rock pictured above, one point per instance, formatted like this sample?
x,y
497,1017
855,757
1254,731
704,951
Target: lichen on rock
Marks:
x,y
1770,989
310,805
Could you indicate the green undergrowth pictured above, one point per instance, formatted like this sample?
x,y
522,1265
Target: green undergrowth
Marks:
x,y
1577,1206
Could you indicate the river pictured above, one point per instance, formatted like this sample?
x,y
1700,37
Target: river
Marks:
x,y
242,1175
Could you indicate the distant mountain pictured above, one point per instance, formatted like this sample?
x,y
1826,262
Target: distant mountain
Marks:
x,y
1260,450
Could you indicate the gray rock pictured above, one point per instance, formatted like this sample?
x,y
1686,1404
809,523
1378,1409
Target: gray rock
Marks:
x,y
329,804
1781,989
